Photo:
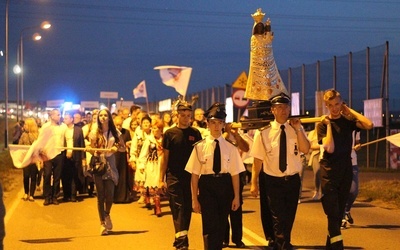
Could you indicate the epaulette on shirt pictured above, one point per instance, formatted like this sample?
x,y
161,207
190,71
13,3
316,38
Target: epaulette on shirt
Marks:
x,y
198,142
265,127
231,142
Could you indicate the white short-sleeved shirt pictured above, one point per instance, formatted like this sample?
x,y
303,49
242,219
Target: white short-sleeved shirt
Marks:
x,y
52,136
202,157
356,137
266,148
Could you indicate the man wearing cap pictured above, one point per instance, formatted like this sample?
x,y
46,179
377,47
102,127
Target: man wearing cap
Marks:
x,y
277,147
177,145
215,165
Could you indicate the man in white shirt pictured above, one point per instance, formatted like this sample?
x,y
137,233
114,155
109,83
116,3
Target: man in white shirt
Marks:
x,y
53,133
281,165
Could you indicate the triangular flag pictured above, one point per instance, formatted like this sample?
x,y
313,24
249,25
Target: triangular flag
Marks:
x,y
140,90
394,139
240,82
175,76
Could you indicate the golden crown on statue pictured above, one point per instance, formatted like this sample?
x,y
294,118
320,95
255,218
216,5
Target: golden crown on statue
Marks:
x,y
258,16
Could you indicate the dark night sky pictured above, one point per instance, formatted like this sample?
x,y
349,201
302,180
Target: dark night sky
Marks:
x,y
103,45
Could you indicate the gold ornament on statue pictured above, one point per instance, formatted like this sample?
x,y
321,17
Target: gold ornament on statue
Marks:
x,y
264,80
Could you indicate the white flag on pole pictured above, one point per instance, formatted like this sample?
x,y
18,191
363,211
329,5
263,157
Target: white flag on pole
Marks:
x,y
394,139
140,90
175,76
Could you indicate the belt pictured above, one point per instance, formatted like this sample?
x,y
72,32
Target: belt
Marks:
x,y
285,178
216,175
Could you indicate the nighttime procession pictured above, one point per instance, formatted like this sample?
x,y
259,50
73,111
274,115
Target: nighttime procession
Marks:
x,y
199,124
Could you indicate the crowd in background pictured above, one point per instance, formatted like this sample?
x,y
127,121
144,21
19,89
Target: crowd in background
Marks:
x,y
133,146
137,160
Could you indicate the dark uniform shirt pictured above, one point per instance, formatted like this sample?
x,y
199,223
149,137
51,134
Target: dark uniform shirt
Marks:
x,y
335,165
179,142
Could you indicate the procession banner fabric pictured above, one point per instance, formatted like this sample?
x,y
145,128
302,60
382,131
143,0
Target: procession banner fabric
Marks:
x,y
175,76
140,90
394,139
24,155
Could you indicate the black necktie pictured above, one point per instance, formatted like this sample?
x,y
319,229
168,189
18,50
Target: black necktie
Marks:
x,y
282,150
217,158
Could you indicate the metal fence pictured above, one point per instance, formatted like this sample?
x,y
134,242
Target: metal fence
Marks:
x,y
357,76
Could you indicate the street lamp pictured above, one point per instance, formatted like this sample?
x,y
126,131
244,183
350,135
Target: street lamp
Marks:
x,y
18,70
20,60
6,77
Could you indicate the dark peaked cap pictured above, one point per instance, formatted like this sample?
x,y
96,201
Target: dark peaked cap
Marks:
x,y
183,105
216,111
280,99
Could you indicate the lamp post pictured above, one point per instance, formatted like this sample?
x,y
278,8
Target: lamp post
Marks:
x,y
6,78
20,60
17,70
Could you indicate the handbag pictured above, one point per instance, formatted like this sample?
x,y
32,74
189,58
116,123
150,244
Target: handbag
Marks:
x,y
98,165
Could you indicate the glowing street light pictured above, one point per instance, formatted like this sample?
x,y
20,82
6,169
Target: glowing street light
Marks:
x,y
20,60
17,69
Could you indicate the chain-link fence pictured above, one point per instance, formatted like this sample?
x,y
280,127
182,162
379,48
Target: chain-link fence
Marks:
x,y
357,76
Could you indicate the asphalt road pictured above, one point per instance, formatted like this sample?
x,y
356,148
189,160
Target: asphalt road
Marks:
x,y
30,225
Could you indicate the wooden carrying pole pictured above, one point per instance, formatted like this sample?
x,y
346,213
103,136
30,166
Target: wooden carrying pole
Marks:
x,y
303,120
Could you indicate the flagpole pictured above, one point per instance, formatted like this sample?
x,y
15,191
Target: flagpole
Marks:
x,y
63,148
372,142
147,103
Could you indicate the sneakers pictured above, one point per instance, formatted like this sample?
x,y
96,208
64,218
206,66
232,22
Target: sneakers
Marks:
x,y
348,217
316,196
31,198
108,223
103,229
141,200
344,224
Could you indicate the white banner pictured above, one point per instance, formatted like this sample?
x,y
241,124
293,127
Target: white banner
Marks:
x,y
90,104
295,100
108,95
54,103
373,111
164,105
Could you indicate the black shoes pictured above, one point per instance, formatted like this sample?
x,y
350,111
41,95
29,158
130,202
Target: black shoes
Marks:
x,y
349,218
47,202
346,219
240,245
55,202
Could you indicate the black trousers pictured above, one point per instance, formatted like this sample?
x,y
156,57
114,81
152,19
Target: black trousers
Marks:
x,y
52,167
283,196
180,202
71,177
236,217
335,187
30,173
215,197
266,216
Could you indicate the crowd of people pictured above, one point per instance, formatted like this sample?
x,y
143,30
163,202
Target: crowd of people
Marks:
x,y
201,164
